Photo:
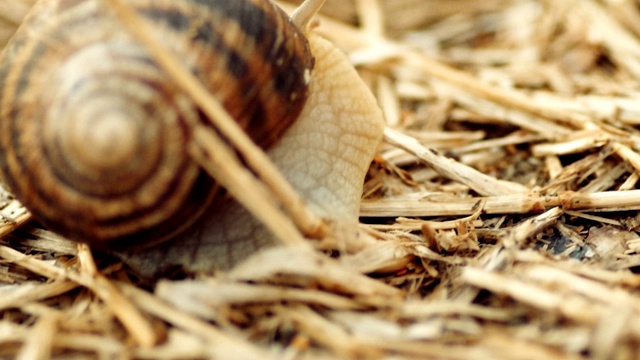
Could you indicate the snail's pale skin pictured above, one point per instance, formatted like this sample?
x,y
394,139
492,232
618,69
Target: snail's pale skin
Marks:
x,y
95,136
325,156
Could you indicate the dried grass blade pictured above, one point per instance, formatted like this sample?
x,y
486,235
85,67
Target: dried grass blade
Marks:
x,y
449,168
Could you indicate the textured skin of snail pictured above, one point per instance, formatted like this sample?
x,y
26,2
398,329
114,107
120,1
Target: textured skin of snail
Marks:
x,y
323,145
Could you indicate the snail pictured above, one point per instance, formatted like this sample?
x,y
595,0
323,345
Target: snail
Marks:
x,y
93,134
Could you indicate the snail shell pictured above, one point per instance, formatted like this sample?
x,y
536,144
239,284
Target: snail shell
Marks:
x,y
94,135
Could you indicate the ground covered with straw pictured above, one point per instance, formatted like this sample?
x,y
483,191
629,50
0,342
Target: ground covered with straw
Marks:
x,y
501,212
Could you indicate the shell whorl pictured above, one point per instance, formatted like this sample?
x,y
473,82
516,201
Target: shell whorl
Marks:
x,y
94,134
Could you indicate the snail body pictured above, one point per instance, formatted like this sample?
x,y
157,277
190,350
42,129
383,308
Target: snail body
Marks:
x,y
94,135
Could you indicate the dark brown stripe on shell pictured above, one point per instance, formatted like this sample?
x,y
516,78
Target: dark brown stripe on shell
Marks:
x,y
273,63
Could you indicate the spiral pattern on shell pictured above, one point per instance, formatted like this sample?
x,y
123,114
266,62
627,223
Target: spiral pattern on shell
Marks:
x,y
94,134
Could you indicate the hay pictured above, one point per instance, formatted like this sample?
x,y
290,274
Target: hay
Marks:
x,y
500,215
